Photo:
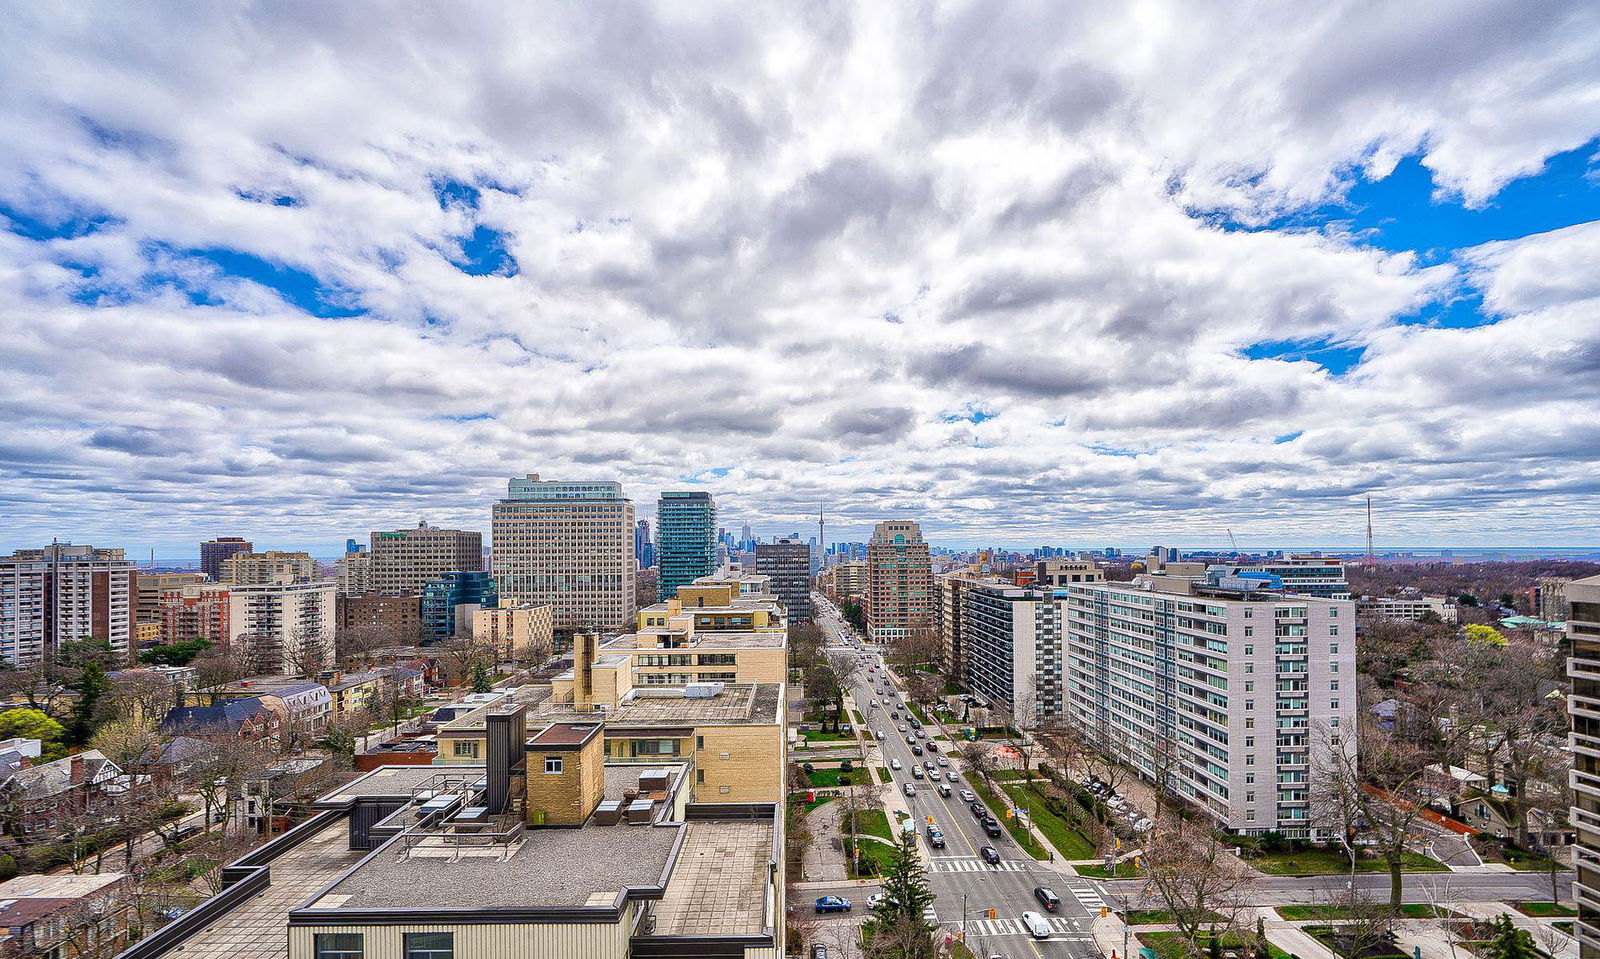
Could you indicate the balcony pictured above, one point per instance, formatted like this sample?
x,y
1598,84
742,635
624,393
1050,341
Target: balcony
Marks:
x,y
1585,745
1588,825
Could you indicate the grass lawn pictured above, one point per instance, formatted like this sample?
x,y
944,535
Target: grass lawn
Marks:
x,y
1171,945
883,774
1018,832
798,799
1156,917
818,736
1544,909
916,711
870,822
1326,912
1565,927
1327,862
1527,862
1069,842
1009,775
1122,870
878,853
952,688
860,723
830,778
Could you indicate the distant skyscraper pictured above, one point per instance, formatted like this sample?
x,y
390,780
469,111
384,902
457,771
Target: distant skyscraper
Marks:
x,y
746,537
567,545
643,548
63,593
213,553
788,562
899,597
404,560
352,546
686,539
242,569
442,597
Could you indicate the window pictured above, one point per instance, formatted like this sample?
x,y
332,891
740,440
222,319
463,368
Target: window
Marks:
x,y
700,777
430,945
1249,742
1250,796
1333,704
1334,631
1333,667
1249,667
1249,613
1250,687
1334,612
1249,705
1249,760
1249,649
699,742
1250,815
1333,685
1250,722
338,945
1334,722
552,765
1249,630
466,748
1333,649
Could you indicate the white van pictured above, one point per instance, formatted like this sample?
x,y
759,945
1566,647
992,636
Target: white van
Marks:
x,y
1038,927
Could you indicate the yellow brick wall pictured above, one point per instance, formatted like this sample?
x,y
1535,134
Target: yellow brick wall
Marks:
x,y
746,760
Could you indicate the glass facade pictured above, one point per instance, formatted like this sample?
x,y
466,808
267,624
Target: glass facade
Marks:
x,y
686,540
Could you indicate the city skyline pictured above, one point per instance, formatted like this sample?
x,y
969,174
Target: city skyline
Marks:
x,y
1032,275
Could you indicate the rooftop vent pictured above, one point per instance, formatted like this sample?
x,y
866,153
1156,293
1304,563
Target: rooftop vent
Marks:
x,y
702,690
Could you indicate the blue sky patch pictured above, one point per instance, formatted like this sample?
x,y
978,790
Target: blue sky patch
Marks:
x,y
970,413
452,192
41,226
484,253
1288,437
297,287
1333,357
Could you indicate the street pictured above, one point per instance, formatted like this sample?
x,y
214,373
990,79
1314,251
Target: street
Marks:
x,y
966,886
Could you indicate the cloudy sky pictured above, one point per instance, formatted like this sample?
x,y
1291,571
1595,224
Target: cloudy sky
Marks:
x,y
1078,273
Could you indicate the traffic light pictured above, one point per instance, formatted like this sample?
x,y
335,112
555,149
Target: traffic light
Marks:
x,y
991,914
930,820
1102,912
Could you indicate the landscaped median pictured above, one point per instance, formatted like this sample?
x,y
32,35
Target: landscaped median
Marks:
x,y
1332,862
1333,913
1018,831
1172,945
1070,843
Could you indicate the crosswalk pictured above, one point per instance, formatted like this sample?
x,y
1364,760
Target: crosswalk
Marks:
x,y
1084,892
1059,926
959,864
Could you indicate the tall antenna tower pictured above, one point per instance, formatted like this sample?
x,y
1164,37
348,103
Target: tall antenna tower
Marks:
x,y
1372,560
822,544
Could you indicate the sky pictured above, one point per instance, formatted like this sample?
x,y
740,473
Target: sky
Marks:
x,y
1071,274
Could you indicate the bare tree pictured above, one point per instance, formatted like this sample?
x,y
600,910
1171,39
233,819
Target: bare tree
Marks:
x,y
459,657
307,653
1199,882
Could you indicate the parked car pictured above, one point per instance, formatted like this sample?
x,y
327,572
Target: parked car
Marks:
x,y
1038,927
922,733
911,740
916,723
832,904
989,854
902,727
1048,899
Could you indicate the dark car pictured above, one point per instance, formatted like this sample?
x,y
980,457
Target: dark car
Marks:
x,y
1049,900
989,854
916,723
832,904
978,809
991,827
933,747
916,750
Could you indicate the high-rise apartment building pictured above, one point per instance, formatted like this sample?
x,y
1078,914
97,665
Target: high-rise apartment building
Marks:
x,y
397,618
949,617
148,588
1550,600
1066,572
788,562
404,560
686,539
1011,648
214,552
355,572
1582,597
845,581
516,632
443,599
570,546
290,625
272,566
899,597
195,611
1221,690
63,593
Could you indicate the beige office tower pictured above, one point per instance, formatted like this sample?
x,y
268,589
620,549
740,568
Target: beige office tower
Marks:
x,y
570,546
405,560
899,597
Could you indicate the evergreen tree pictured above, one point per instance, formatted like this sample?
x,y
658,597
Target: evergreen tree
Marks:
x,y
1506,941
91,685
481,683
898,927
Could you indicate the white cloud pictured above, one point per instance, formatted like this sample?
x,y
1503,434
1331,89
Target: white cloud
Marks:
x,y
786,242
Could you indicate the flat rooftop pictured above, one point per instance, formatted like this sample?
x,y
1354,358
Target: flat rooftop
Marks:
x,y
703,640
257,928
747,703
719,881
391,781
550,868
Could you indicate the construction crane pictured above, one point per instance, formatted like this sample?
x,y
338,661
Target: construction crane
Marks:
x,y
1233,541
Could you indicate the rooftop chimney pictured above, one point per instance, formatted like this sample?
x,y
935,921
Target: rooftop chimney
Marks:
x,y
505,734
583,655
